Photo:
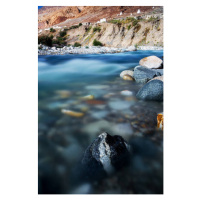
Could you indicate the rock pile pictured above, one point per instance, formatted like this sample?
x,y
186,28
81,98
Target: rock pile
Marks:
x,y
150,72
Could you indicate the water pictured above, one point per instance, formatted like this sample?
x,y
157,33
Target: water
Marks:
x,y
62,82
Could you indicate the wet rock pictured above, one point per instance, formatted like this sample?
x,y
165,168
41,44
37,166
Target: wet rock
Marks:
x,y
152,90
158,78
99,114
83,189
143,74
88,97
72,113
126,93
152,62
126,72
104,156
119,104
128,77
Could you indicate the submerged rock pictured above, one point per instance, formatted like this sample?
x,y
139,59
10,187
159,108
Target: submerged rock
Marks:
x,y
126,72
153,90
143,74
72,113
152,62
105,155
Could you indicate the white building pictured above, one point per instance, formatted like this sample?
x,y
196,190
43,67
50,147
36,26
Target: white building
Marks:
x,y
103,20
120,13
138,12
47,29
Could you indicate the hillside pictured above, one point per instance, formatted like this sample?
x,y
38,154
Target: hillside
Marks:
x,y
130,28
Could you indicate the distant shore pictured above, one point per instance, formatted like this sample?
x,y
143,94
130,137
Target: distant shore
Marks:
x,y
45,50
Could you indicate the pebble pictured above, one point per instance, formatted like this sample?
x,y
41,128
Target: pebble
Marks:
x,y
119,104
82,189
88,97
72,113
126,93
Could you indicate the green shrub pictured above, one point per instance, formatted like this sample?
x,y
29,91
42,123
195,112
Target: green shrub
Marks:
x,y
76,44
80,24
52,30
97,43
46,40
87,47
87,29
62,33
115,21
129,26
96,29
59,41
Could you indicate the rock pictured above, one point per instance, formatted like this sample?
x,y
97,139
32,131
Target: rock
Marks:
x,y
128,77
105,155
143,74
153,90
82,189
119,104
126,72
160,120
88,97
126,93
72,113
158,78
99,114
152,62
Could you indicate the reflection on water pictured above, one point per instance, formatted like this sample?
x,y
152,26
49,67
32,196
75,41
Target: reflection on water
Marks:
x,y
63,81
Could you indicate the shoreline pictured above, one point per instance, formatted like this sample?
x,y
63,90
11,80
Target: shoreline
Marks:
x,y
45,50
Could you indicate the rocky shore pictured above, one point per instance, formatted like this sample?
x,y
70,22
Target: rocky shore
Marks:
x,y
45,50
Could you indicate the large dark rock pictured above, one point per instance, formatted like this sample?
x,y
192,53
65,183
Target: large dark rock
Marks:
x,y
153,90
143,74
105,155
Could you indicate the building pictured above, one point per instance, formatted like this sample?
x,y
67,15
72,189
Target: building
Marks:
x,y
120,13
138,12
103,20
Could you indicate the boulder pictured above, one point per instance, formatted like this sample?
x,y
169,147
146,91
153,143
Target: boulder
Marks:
x,y
143,74
105,155
158,78
152,62
126,72
128,77
153,90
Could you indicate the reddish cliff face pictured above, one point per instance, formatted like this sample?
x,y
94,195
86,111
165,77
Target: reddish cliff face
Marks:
x,y
52,15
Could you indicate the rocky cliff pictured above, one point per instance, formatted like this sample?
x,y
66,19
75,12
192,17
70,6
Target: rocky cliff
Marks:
x,y
122,31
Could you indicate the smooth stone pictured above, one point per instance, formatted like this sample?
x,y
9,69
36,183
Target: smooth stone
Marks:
x,y
143,74
153,90
126,72
119,104
95,127
82,189
128,77
99,114
126,93
123,129
96,87
72,113
152,62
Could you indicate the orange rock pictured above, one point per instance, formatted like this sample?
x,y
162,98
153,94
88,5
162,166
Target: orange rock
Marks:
x,y
95,102
72,113
160,119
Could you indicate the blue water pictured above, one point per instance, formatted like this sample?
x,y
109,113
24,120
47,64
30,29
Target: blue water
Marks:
x,y
62,81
